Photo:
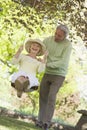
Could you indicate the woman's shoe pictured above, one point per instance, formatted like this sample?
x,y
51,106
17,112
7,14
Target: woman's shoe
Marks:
x,y
26,83
18,85
19,88
19,93
13,85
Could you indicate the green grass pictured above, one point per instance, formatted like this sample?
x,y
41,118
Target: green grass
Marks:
x,y
10,102
7,123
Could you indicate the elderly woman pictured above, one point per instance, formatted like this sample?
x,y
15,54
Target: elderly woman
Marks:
x,y
25,79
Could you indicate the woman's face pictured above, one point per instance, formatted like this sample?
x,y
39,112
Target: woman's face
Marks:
x,y
35,48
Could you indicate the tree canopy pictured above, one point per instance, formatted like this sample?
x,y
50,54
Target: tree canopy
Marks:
x,y
33,13
28,18
21,19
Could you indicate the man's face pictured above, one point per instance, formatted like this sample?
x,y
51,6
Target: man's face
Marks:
x,y
59,35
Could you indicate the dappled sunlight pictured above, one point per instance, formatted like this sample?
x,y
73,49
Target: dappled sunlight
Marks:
x,y
22,19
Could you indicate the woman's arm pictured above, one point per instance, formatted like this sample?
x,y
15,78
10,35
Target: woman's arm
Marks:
x,y
16,58
19,51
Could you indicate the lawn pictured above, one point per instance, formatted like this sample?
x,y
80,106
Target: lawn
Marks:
x,y
8,123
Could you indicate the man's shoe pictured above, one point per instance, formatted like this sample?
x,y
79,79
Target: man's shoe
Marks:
x,y
39,124
45,126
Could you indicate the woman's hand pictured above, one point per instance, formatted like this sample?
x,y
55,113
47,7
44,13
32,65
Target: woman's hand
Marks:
x,y
46,53
20,48
19,51
44,59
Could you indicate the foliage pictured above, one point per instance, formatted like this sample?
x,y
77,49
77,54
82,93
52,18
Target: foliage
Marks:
x,y
37,18
22,19
33,13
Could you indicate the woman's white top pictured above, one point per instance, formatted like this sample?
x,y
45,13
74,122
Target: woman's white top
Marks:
x,y
28,66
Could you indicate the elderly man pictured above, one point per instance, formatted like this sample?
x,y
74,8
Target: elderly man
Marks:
x,y
59,49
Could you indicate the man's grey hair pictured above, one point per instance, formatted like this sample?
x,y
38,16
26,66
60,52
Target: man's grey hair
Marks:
x,y
64,28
